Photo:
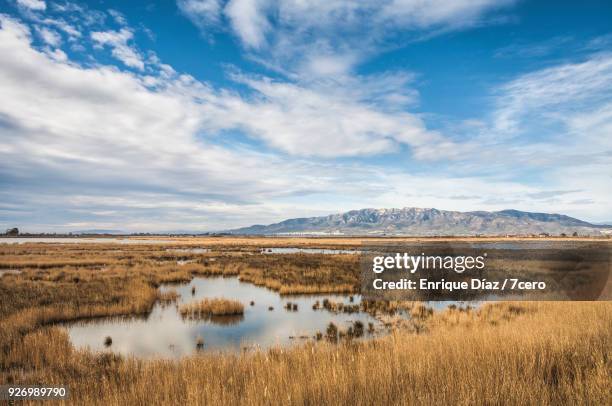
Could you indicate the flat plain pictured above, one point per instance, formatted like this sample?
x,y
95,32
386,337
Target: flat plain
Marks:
x,y
497,353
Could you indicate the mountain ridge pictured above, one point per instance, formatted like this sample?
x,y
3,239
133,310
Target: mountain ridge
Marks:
x,y
428,222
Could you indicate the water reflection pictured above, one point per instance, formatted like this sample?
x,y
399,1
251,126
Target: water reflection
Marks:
x,y
165,333
229,320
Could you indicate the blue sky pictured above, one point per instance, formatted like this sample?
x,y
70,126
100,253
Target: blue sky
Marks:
x,y
210,114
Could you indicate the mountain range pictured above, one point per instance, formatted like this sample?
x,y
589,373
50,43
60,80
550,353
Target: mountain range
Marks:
x,y
414,221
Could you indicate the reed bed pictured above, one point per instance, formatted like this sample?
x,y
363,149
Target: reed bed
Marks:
x,y
168,296
287,274
206,308
546,353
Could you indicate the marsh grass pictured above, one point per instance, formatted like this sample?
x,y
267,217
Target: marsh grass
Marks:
x,y
206,308
550,354
168,296
545,353
287,274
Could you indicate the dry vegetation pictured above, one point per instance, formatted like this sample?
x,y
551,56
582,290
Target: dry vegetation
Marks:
x,y
211,307
521,353
288,274
168,296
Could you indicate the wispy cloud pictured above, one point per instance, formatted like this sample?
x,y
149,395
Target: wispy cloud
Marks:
x,y
537,49
330,36
204,13
553,92
51,37
118,17
37,5
118,41
324,120
249,21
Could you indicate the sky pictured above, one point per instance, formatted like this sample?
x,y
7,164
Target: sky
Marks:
x,y
204,115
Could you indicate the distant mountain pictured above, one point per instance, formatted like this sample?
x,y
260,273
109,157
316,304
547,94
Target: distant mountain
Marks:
x,y
428,222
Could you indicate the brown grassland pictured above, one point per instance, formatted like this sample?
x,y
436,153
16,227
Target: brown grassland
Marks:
x,y
502,353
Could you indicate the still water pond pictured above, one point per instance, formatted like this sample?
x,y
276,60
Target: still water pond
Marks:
x,y
164,333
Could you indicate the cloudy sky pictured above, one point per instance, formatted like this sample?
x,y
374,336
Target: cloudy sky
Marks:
x,y
211,114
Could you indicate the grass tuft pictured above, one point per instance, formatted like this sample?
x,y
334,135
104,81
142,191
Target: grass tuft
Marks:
x,y
205,308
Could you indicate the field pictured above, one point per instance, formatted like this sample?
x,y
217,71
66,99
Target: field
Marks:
x,y
510,352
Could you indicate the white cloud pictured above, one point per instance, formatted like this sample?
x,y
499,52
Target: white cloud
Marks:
x,y
331,35
49,36
38,5
529,49
248,20
203,13
553,92
64,26
424,14
326,121
554,125
349,116
246,17
328,65
118,41
118,17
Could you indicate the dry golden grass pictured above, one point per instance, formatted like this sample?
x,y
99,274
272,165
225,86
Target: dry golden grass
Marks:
x,y
168,296
211,307
288,274
545,353
524,353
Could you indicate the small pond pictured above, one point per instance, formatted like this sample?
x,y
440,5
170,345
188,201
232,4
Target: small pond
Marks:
x,y
164,333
